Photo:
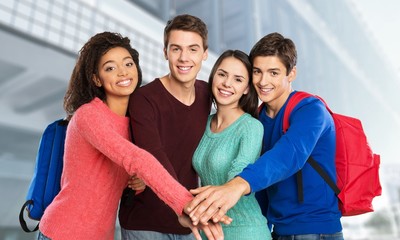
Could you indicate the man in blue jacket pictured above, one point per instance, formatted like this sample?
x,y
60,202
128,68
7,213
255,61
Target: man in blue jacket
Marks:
x,y
273,175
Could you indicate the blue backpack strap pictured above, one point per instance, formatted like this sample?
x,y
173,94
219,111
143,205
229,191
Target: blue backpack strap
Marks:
x,y
45,183
53,183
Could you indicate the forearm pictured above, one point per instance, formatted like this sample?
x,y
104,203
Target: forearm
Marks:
x,y
167,188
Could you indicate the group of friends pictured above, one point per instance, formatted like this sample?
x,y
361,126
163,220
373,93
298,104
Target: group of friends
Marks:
x,y
158,159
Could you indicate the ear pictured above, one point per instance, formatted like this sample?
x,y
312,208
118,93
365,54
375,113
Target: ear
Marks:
x,y
205,55
96,80
292,74
246,91
165,54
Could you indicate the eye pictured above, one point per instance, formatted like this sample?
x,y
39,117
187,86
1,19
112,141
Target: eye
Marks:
x,y
273,73
130,64
193,50
221,74
174,49
256,71
108,69
238,79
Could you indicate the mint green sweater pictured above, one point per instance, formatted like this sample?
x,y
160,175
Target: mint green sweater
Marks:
x,y
221,156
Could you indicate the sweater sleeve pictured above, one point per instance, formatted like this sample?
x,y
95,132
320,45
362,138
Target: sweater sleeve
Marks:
x,y
249,146
95,128
291,151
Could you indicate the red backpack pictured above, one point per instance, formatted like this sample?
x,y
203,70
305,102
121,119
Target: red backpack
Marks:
x,y
357,167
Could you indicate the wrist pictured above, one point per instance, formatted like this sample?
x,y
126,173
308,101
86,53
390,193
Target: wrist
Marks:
x,y
241,184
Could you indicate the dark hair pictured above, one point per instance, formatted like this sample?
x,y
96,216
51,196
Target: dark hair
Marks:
x,y
274,44
248,102
186,22
82,88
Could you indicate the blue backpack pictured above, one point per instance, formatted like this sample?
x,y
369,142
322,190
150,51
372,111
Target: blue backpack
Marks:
x,y
45,183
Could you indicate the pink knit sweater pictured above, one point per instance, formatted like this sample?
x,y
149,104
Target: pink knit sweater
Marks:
x,y
98,160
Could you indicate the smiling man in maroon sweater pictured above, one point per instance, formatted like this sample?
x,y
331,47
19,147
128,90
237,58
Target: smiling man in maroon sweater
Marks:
x,y
168,118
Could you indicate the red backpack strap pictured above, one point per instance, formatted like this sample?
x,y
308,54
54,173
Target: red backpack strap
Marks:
x,y
260,107
292,103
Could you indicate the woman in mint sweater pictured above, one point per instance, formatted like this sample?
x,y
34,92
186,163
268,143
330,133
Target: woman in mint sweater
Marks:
x,y
232,140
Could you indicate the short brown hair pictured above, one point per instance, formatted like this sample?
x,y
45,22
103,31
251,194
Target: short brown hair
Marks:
x,y
186,22
274,44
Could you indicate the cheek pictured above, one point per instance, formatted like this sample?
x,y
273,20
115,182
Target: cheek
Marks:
x,y
256,79
199,58
242,88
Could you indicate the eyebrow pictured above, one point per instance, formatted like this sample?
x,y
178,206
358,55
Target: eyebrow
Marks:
x,y
177,45
269,69
222,70
274,69
110,61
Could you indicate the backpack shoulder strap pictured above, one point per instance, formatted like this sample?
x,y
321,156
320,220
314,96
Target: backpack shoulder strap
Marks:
x,y
292,103
260,107
324,175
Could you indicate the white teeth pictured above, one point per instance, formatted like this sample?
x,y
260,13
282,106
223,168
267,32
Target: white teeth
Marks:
x,y
265,90
225,92
184,68
124,82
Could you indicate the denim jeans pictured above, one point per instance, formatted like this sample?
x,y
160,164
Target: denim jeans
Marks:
x,y
41,236
335,236
150,235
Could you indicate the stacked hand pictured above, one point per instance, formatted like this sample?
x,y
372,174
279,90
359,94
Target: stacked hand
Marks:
x,y
212,230
212,202
137,184
208,208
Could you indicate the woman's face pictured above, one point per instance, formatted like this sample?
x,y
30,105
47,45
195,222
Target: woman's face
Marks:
x,y
230,82
118,74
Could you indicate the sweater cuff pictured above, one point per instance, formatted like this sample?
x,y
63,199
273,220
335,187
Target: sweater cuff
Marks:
x,y
247,176
179,206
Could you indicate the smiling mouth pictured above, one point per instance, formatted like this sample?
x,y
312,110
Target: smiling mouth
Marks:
x,y
124,83
184,68
265,90
224,92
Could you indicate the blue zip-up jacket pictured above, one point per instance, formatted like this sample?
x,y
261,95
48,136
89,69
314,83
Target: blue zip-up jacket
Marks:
x,y
311,132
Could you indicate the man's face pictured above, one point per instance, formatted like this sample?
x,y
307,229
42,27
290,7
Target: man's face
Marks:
x,y
271,80
185,54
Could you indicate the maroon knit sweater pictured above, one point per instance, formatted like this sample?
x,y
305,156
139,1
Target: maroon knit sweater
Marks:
x,y
170,131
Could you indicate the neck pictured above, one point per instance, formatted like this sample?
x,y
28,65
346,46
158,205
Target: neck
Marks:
x,y
274,106
118,105
225,117
183,91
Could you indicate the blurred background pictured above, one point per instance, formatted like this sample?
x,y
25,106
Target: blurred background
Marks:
x,y
348,54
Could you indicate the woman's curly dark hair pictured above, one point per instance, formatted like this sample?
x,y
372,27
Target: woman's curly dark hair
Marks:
x,y
82,88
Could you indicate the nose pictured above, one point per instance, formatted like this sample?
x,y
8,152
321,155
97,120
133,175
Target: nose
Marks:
x,y
261,79
122,71
227,82
184,55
